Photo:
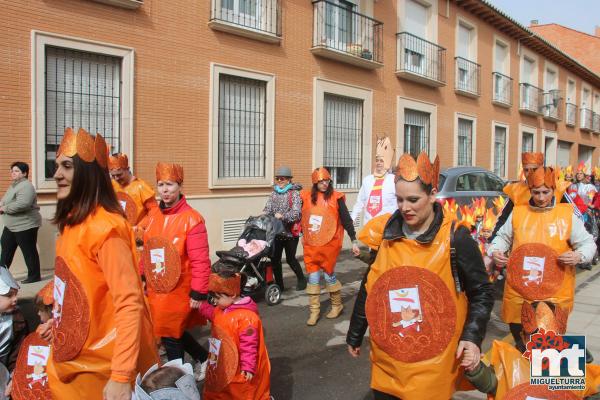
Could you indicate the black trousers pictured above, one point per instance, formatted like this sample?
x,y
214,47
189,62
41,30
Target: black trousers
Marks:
x,y
175,348
26,241
290,245
377,395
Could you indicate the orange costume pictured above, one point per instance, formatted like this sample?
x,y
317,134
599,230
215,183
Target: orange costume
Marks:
x,y
137,198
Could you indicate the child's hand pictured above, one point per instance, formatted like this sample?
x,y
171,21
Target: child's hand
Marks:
x,y
247,375
45,330
470,354
8,389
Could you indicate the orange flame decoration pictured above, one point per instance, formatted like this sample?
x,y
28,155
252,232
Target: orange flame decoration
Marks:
x,y
489,220
499,204
582,167
569,170
597,173
466,215
450,207
478,207
521,172
561,173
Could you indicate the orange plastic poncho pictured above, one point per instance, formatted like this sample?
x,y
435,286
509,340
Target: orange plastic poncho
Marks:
x,y
415,380
512,369
102,328
137,196
551,227
322,229
519,193
224,379
170,307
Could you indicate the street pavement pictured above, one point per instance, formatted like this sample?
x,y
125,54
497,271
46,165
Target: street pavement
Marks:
x,y
311,363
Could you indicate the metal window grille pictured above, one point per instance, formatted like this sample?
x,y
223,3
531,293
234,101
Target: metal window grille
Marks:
x,y
499,150
465,142
502,88
527,145
260,15
416,132
421,57
343,128
242,127
83,90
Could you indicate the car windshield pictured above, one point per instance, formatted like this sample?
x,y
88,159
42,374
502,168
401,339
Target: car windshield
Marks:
x,y
441,182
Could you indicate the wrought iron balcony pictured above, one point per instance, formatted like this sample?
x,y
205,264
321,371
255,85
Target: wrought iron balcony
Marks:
x,y
586,120
420,61
596,123
571,114
130,4
503,91
344,35
259,20
552,105
468,76
530,99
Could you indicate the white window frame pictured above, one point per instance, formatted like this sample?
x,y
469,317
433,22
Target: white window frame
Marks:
x,y
506,146
550,161
403,103
585,86
472,118
526,129
525,53
214,182
432,18
567,97
320,88
460,20
548,66
505,68
39,41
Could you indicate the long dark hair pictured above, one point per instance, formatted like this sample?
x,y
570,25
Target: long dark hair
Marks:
x,y
314,192
91,187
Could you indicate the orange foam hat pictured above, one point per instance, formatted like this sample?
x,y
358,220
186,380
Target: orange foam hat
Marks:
x,y
450,207
85,146
582,167
47,293
466,216
320,174
410,169
229,286
597,173
489,220
499,204
532,158
118,161
169,172
478,207
542,176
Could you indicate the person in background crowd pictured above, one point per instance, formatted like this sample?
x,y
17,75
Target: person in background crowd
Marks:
x,y
135,196
324,218
22,220
286,205
176,266
377,195
173,380
581,190
13,326
101,329
427,286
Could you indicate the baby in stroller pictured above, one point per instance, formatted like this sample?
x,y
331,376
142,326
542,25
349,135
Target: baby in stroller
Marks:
x,y
252,255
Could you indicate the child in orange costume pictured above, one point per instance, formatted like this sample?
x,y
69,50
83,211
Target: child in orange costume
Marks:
x,y
238,363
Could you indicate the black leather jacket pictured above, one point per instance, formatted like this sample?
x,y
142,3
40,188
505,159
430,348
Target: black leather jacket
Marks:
x,y
471,272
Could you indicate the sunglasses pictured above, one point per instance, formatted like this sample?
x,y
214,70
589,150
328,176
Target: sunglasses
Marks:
x,y
281,178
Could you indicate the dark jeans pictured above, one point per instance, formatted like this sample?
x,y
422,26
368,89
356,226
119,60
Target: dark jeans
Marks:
x,y
27,241
290,245
377,395
176,347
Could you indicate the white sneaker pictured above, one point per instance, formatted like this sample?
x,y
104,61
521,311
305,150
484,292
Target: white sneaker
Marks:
x,y
200,371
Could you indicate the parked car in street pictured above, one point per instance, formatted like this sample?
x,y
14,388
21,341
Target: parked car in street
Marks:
x,y
463,184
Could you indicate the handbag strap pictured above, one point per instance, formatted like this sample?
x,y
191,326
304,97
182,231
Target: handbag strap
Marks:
x,y
453,264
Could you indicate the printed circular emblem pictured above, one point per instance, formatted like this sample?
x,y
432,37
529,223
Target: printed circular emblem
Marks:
x,y
30,381
526,391
128,206
318,226
411,314
162,265
222,360
534,272
71,314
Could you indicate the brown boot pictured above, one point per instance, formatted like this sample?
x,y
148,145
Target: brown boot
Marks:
x,y
314,303
335,295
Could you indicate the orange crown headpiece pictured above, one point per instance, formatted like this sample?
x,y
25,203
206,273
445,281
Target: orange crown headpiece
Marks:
x,y
118,161
85,146
489,220
542,176
47,293
450,207
229,286
532,158
428,172
597,173
479,207
466,216
169,172
539,315
499,204
320,174
569,170
582,167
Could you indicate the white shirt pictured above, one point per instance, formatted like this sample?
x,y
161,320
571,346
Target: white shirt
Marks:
x,y
388,194
583,190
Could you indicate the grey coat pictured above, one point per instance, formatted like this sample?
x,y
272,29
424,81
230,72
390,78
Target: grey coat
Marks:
x,y
21,211
288,204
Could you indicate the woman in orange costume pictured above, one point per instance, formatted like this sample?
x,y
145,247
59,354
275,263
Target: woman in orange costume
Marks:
x,y
101,330
238,366
176,266
426,298
324,218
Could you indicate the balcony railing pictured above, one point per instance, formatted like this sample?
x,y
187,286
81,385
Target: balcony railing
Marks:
x,y
345,35
596,122
468,75
257,19
571,114
502,89
552,105
420,60
530,99
586,120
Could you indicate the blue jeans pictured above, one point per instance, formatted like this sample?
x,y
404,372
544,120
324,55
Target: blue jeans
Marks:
x,y
315,277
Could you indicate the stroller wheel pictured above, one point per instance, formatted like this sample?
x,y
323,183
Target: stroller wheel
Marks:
x,y
273,294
